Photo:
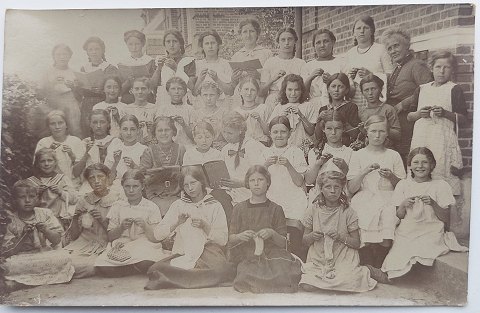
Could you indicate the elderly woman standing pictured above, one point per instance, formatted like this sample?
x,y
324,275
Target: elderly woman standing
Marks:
x,y
93,93
408,75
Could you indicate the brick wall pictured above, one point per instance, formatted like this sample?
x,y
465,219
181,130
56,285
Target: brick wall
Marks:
x,y
420,20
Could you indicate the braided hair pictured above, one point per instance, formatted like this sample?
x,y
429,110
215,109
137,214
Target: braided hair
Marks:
x,y
235,120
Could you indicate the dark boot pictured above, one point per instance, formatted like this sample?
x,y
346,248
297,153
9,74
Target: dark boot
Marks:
x,y
380,253
366,255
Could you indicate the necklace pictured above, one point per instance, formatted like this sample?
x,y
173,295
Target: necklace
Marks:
x,y
358,49
167,156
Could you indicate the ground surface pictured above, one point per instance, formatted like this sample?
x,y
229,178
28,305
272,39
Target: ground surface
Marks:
x,y
129,291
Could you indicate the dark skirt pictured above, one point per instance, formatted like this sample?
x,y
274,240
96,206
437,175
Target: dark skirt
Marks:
x,y
274,271
211,270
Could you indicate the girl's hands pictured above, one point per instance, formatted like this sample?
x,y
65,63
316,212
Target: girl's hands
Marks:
x,y
333,234
279,75
171,64
129,162
427,200
353,72
203,73
316,235
265,233
255,115
326,77
80,211
438,111
271,160
96,214
293,109
213,75
140,222
341,164
199,223
362,72
246,235
42,188
317,72
408,202
69,151
28,228
41,227
113,109
55,189
386,173
323,115
237,75
88,144
179,120
117,155
371,167
182,218
283,161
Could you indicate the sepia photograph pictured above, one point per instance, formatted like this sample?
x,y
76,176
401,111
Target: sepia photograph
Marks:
x,y
237,156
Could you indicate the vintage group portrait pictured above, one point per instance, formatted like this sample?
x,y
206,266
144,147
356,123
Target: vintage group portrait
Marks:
x,y
285,156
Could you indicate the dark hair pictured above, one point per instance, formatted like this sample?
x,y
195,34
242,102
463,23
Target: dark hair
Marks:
x,y
210,32
252,21
96,167
114,78
23,183
292,78
170,121
371,78
334,175
323,31
260,169
36,159
176,80
426,152
203,125
61,46
177,34
105,114
287,30
131,118
98,41
332,116
136,34
341,77
280,120
197,173
56,113
144,80
235,120
443,55
133,174
370,23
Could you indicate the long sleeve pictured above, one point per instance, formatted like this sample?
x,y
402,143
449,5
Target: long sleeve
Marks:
x,y
162,230
458,101
218,228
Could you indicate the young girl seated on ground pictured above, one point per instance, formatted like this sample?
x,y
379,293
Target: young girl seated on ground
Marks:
x,y
201,234
133,249
55,191
333,235
88,231
423,206
301,114
30,241
373,174
258,242
254,113
112,104
287,165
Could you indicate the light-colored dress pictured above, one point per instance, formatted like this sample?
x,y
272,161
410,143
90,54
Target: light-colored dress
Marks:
x,y
373,201
60,97
61,206
438,133
114,127
192,156
64,163
93,237
270,69
343,260
283,191
254,130
39,263
298,134
189,116
376,60
190,241
251,153
136,244
318,89
343,152
420,237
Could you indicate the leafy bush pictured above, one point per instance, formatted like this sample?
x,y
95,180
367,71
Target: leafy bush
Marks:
x,y
20,106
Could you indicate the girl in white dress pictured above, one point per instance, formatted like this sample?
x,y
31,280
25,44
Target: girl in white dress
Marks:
x,y
239,154
287,165
373,174
96,146
316,72
202,152
68,149
183,114
212,111
441,107
423,207
275,68
301,114
130,230
366,56
254,113
126,154
112,103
